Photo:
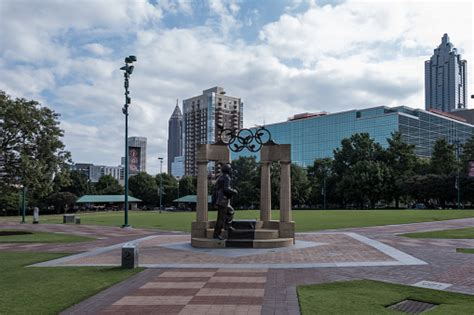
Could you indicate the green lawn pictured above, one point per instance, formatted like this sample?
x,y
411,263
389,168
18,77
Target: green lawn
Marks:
x,y
371,297
306,220
47,290
466,233
41,237
465,250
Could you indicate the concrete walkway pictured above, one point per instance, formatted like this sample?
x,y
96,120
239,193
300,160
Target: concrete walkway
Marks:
x,y
258,289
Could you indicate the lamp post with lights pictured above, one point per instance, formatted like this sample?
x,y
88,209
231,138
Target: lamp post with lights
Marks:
x,y
128,70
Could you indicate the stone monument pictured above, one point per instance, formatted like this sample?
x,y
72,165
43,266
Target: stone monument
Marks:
x,y
261,233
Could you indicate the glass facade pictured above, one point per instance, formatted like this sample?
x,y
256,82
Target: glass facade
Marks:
x,y
318,136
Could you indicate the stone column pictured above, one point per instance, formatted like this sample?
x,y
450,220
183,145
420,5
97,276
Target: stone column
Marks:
x,y
285,191
201,206
265,192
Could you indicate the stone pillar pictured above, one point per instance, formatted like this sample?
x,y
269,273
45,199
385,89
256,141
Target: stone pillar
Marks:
x,y
201,206
265,192
285,191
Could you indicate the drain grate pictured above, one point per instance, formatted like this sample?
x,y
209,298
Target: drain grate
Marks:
x,y
412,307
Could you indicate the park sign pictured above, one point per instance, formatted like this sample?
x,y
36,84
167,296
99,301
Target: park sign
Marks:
x,y
470,169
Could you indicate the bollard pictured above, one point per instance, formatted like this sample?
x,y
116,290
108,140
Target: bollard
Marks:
x,y
35,215
129,256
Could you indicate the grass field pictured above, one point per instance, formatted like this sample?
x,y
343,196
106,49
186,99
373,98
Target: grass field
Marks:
x,y
306,220
37,290
42,237
466,233
465,250
372,297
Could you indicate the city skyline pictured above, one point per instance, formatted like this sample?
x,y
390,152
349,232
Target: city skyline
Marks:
x,y
285,58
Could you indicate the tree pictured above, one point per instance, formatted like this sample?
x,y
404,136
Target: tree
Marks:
x,y
187,186
246,179
108,185
143,186
358,165
31,150
300,186
443,158
62,201
401,160
77,184
467,154
170,188
320,175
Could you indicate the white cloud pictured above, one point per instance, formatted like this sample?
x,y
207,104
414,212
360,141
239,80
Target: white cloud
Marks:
x,y
330,58
97,49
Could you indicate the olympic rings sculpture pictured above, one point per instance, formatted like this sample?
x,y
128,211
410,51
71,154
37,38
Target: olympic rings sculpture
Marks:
x,y
237,140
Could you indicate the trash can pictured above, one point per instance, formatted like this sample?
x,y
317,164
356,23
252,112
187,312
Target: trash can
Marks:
x,y
129,256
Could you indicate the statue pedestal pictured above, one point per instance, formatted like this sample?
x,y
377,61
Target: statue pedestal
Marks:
x,y
247,234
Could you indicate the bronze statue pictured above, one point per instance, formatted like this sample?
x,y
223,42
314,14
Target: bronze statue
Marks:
x,y
221,195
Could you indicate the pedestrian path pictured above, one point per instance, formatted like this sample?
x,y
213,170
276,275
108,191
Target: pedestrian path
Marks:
x,y
195,292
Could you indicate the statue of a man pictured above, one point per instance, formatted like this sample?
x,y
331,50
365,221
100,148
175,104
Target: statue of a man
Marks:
x,y
222,193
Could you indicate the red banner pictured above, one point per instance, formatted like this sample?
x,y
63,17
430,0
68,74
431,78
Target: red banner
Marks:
x,y
470,169
134,154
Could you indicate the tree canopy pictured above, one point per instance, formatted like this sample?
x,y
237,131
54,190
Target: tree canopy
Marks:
x,y
31,150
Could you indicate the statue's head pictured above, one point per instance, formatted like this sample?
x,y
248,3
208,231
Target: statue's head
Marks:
x,y
226,169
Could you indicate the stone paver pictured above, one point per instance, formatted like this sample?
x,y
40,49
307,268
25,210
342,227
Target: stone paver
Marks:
x,y
259,290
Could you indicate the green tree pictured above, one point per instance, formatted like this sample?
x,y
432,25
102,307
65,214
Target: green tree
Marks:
x,y
320,178
443,158
401,161
143,186
246,179
187,186
31,149
300,186
467,154
77,183
62,201
108,185
353,163
170,188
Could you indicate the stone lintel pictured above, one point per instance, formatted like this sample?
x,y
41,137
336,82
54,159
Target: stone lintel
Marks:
x,y
278,152
213,152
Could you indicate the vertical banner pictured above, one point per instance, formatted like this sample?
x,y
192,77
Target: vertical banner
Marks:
x,y
470,169
134,160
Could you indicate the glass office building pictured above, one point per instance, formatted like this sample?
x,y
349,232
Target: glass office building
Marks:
x,y
316,136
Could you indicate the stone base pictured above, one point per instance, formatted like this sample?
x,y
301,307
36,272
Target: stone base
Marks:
x,y
215,243
265,234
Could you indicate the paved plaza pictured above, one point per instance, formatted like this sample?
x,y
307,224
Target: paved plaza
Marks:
x,y
180,279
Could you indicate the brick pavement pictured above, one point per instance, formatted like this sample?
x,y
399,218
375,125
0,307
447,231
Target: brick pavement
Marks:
x,y
152,286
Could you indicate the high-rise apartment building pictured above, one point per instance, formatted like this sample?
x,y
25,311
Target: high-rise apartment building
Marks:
x,y
175,137
203,115
136,155
95,172
445,79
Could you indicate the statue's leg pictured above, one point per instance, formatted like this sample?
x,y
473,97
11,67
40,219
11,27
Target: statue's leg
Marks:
x,y
229,217
219,221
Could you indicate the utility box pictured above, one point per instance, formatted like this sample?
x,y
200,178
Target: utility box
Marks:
x,y
68,218
129,256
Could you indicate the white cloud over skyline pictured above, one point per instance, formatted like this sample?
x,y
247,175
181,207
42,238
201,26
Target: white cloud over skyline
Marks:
x,y
306,56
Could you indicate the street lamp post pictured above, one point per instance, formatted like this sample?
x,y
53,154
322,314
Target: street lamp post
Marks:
x,y
161,182
128,70
23,204
458,182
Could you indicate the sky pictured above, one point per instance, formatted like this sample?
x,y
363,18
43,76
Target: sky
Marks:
x,y
282,57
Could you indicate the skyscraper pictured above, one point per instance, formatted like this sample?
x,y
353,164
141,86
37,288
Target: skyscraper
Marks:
x,y
445,79
175,136
202,116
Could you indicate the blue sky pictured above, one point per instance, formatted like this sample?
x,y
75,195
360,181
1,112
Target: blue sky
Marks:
x,y
281,57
